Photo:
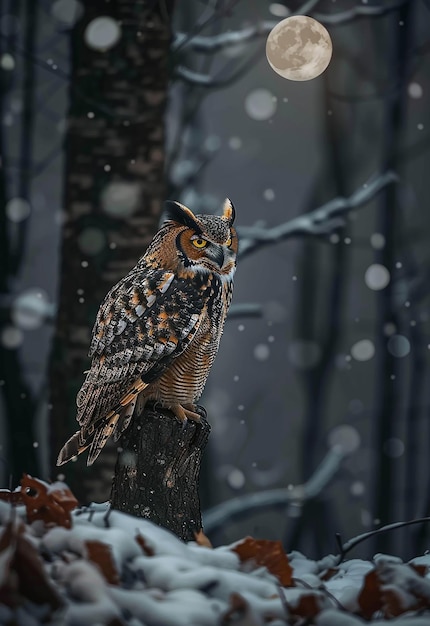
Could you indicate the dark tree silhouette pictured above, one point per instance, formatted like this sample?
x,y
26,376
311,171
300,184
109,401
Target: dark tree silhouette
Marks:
x,y
114,189
388,394
19,402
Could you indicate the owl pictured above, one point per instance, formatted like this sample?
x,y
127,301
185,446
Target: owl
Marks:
x,y
158,329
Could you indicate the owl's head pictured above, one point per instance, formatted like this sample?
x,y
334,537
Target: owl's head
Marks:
x,y
204,242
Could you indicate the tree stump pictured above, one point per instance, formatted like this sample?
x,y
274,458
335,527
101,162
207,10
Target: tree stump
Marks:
x,y
158,468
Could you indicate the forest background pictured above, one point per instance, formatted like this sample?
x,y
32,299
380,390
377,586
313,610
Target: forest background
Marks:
x,y
318,399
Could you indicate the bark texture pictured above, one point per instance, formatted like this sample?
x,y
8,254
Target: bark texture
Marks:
x,y
114,190
157,471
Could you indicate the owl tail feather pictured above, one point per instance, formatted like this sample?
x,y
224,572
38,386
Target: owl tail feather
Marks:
x,y
73,446
83,439
101,435
95,436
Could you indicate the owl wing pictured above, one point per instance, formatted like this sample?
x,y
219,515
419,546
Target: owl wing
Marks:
x,y
145,322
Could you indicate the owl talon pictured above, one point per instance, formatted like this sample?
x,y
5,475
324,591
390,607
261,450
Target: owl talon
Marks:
x,y
184,414
201,411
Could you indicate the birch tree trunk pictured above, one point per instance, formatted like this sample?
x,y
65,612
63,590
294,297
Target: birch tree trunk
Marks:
x,y
114,189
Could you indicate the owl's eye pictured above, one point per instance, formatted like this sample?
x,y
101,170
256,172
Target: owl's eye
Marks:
x,y
199,242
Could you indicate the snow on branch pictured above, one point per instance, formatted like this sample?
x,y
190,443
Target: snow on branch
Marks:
x,y
199,79
360,10
355,541
217,42
285,496
321,221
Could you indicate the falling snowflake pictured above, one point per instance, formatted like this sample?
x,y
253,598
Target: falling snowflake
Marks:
x,y
102,33
261,352
18,209
345,437
398,345
415,90
363,350
260,104
377,277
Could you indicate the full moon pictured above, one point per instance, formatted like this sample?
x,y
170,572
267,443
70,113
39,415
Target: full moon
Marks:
x,y
299,48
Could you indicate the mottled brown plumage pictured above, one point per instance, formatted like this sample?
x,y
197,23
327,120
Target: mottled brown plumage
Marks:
x,y
157,331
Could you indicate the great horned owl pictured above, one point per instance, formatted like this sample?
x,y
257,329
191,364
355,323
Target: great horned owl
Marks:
x,y
158,329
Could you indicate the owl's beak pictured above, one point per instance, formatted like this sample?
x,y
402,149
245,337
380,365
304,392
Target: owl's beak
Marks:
x,y
216,254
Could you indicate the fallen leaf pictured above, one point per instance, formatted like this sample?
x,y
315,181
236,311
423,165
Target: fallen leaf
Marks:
x,y
14,497
421,570
308,604
24,576
50,503
370,596
240,613
148,551
329,573
201,539
101,555
8,578
269,554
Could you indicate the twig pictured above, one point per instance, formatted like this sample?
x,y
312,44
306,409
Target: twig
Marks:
x,y
283,601
352,543
106,517
321,221
237,507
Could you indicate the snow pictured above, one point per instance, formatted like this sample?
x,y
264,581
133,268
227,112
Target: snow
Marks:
x,y
142,575
84,583
181,607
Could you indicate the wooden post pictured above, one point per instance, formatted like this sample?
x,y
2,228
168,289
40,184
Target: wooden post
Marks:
x,y
157,471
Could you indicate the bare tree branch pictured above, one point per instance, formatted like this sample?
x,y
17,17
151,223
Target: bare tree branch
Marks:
x,y
322,221
262,29
204,21
352,543
295,496
245,309
360,10
206,80
227,39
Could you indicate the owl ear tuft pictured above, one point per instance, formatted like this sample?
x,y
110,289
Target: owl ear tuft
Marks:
x,y
179,213
228,211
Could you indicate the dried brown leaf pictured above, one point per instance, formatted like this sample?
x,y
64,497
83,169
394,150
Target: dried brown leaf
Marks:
x,y
100,554
202,540
239,613
34,583
421,570
370,597
269,554
309,604
14,497
329,573
147,550
50,503
24,576
397,601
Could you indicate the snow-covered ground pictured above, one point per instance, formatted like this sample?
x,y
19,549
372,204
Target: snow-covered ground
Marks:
x,y
95,566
